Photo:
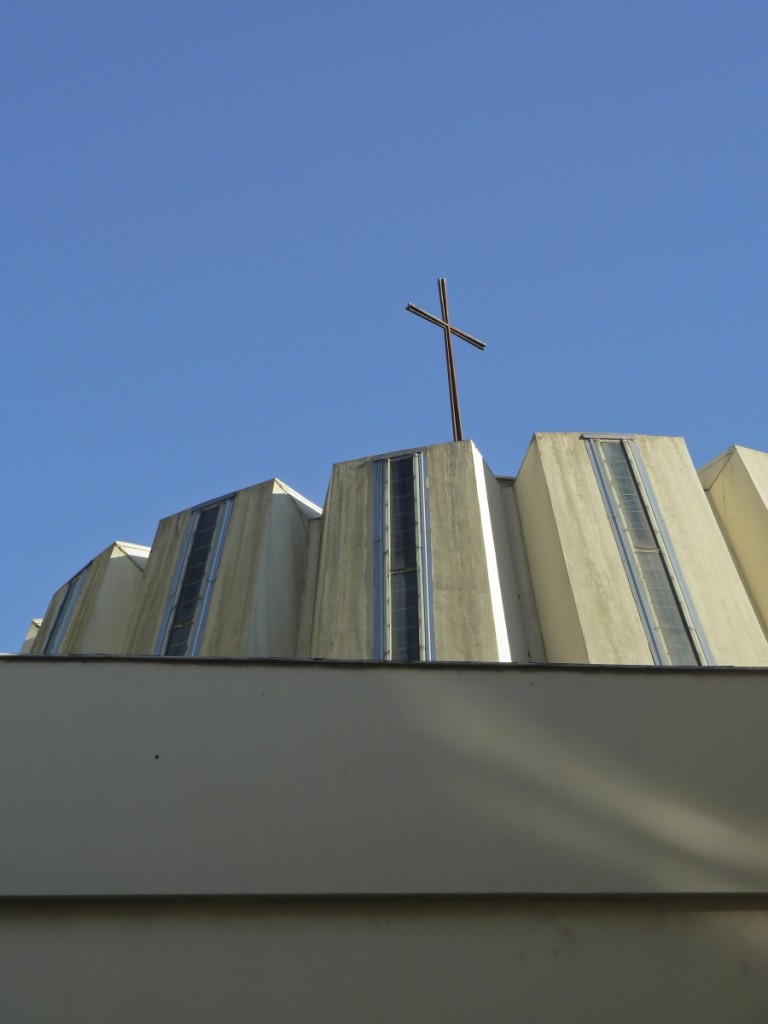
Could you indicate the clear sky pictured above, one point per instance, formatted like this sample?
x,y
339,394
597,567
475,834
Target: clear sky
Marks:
x,y
214,214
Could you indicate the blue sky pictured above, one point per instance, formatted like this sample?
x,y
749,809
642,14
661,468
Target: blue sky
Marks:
x,y
215,214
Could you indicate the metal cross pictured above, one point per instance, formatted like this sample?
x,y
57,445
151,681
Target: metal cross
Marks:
x,y
448,330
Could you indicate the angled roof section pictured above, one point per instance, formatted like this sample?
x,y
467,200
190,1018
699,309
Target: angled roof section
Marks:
x,y
89,614
250,602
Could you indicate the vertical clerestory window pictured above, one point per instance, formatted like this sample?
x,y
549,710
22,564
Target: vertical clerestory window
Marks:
x,y
64,613
674,633
404,629
187,607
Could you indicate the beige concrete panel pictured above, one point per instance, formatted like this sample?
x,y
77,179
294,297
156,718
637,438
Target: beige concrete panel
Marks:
x,y
74,640
708,473
375,962
108,598
558,618
282,568
586,609
231,610
525,595
724,608
282,576
309,591
737,485
464,613
756,464
107,602
610,622
256,597
172,776
344,608
468,626
144,627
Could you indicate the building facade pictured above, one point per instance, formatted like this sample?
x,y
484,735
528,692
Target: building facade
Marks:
x,y
604,549
456,747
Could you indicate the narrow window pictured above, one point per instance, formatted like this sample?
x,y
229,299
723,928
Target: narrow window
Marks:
x,y
64,614
190,595
674,633
403,587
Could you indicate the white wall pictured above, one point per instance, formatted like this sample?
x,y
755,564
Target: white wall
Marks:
x,y
534,832
153,776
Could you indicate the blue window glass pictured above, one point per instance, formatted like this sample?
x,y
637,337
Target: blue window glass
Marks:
x,y
403,584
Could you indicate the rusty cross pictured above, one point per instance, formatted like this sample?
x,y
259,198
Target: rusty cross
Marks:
x,y
448,330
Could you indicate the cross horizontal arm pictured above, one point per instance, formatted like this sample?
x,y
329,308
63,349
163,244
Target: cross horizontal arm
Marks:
x,y
440,323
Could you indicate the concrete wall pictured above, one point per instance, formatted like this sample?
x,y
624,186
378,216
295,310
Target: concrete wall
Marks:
x,y
99,621
183,776
256,599
525,597
256,602
335,962
476,605
730,625
524,570
342,625
193,840
470,551
737,486
586,608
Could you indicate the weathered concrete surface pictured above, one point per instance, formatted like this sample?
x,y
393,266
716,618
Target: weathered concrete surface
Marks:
x,y
737,486
524,570
585,604
343,623
469,614
111,591
256,599
730,625
586,608
475,597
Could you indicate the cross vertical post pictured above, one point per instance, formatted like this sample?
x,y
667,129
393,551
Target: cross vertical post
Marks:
x,y
450,366
448,331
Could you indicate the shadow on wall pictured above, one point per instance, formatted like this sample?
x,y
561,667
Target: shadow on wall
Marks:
x,y
641,782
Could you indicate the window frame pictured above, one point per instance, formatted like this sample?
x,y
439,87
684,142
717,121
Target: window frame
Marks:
x,y
383,572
